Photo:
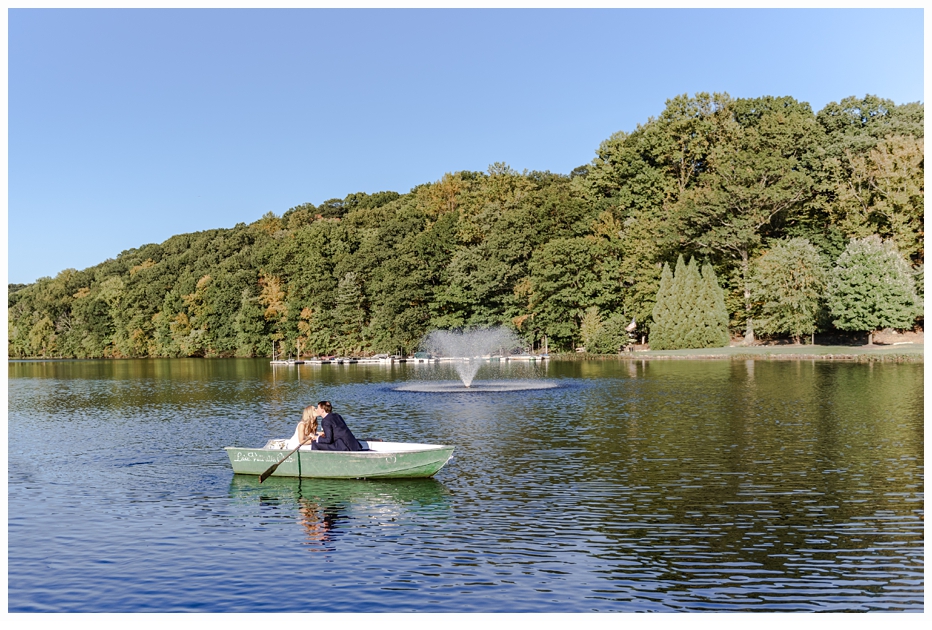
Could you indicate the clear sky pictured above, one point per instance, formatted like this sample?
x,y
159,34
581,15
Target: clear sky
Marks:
x,y
126,127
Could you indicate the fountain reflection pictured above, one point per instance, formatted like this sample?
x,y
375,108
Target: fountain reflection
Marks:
x,y
446,387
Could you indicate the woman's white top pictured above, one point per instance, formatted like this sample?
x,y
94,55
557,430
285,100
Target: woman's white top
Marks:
x,y
294,440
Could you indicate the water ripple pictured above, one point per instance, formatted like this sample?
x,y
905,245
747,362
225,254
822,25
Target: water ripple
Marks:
x,y
699,486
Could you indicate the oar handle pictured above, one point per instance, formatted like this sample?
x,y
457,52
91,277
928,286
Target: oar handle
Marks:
x,y
272,468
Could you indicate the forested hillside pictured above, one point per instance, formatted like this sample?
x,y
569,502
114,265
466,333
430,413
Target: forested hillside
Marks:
x,y
575,257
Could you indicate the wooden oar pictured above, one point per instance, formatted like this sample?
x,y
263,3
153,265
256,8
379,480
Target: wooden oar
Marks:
x,y
268,472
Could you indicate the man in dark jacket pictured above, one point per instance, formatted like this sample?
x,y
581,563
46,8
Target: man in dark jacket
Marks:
x,y
336,435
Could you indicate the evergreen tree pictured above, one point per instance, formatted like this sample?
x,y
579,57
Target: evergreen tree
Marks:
x,y
690,309
919,281
661,330
677,302
872,287
711,176
689,329
715,316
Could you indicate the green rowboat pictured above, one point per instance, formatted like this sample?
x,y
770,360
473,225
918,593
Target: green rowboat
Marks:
x,y
385,460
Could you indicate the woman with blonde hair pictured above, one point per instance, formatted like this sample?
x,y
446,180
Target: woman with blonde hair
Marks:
x,y
307,428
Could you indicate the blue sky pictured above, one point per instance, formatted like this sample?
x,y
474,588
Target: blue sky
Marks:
x,y
128,126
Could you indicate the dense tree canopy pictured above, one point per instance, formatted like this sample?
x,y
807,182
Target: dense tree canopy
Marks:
x,y
572,259
789,284
871,287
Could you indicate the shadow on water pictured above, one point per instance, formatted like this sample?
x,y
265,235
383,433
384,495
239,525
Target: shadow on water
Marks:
x,y
400,491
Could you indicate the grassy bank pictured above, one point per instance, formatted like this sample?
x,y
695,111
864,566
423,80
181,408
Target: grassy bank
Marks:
x,y
903,354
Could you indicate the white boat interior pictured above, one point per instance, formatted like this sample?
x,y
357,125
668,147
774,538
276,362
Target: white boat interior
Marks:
x,y
398,447
381,447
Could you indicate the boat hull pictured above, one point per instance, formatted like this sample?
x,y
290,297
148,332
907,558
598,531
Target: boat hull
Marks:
x,y
387,460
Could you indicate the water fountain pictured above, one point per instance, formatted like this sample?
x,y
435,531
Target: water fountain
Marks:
x,y
468,351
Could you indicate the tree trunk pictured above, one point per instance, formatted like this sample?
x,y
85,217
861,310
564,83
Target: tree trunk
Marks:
x,y
870,338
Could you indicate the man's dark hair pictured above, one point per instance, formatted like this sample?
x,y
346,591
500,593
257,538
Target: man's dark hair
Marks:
x,y
325,405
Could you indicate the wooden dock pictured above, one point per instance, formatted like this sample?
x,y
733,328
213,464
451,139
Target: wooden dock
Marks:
x,y
394,360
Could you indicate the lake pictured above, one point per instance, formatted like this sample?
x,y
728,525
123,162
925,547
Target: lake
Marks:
x,y
629,486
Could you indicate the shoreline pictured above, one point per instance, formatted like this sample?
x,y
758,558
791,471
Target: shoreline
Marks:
x,y
912,353
906,353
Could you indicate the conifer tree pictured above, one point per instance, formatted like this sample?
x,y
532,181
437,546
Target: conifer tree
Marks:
x,y
690,309
661,328
689,333
919,282
716,314
676,313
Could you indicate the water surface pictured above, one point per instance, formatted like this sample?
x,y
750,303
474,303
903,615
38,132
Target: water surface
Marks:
x,y
630,486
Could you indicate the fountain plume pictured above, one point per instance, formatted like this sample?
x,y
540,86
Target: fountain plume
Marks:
x,y
470,346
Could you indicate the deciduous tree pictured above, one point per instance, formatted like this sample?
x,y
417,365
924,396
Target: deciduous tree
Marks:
x,y
788,282
758,174
871,287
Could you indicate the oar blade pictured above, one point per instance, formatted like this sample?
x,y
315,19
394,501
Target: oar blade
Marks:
x,y
267,473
